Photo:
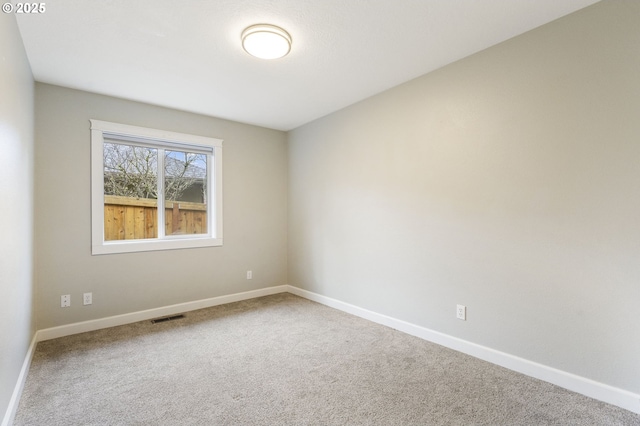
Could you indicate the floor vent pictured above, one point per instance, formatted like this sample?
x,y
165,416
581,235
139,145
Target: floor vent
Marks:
x,y
165,319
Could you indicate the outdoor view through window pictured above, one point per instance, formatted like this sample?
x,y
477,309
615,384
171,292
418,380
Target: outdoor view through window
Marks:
x,y
131,188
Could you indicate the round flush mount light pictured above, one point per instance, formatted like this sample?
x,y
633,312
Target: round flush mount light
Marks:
x,y
266,41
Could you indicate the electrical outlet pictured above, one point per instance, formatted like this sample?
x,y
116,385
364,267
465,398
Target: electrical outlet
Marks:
x,y
65,300
249,275
461,312
87,298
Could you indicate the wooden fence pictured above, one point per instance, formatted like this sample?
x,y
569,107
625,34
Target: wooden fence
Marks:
x,y
127,218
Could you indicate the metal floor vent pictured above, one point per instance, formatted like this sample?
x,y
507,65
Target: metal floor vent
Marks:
x,y
165,319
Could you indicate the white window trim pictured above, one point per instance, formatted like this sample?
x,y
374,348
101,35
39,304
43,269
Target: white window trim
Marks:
x,y
98,244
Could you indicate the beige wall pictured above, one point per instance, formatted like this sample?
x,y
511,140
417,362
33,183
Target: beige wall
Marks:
x,y
255,232
508,182
16,220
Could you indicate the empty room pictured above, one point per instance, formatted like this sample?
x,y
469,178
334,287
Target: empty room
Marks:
x,y
375,212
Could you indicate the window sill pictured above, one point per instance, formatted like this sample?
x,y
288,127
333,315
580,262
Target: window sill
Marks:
x,y
132,246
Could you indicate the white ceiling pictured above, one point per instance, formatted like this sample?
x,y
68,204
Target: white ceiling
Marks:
x,y
187,55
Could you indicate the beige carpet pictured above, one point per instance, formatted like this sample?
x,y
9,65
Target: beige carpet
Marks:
x,y
283,360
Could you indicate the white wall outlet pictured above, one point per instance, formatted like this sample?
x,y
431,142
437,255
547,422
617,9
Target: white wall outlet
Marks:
x,y
249,275
461,312
87,298
65,300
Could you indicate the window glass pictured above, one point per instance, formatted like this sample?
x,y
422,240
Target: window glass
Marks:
x,y
130,192
185,192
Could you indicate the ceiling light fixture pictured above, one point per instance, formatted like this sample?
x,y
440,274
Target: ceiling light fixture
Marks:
x,y
266,41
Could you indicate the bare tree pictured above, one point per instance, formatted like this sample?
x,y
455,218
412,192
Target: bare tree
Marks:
x,y
181,172
131,171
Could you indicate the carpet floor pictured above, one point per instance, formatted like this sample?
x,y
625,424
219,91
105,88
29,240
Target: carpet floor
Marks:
x,y
283,360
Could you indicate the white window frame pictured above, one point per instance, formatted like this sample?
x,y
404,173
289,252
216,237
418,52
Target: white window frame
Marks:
x,y
159,137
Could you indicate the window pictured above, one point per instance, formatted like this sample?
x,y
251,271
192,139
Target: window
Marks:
x,y
136,171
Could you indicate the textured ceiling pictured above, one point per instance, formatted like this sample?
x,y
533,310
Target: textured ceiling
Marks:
x,y
187,55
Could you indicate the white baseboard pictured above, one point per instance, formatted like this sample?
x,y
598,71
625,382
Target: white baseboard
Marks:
x,y
12,408
97,324
600,391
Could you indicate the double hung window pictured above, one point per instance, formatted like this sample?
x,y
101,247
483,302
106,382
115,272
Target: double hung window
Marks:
x,y
154,190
